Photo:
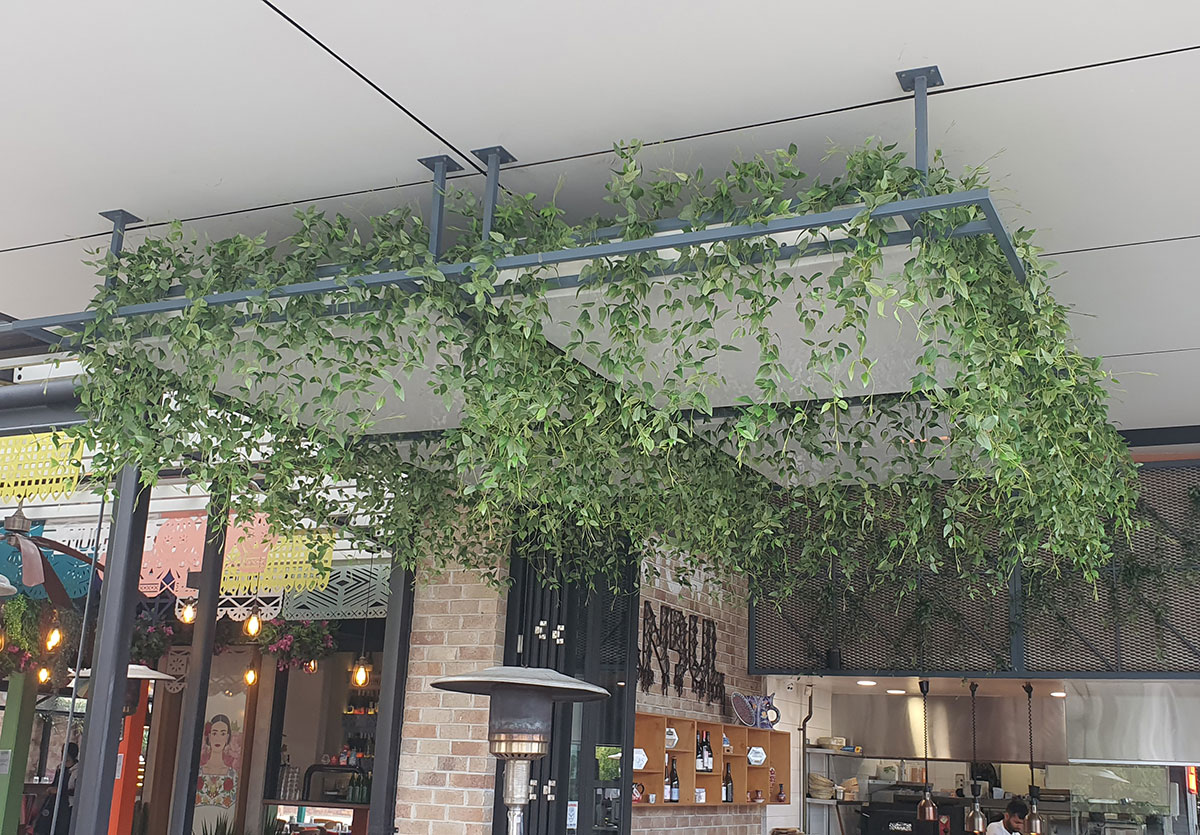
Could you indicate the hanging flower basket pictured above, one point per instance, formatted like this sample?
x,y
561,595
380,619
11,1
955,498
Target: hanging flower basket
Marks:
x,y
293,643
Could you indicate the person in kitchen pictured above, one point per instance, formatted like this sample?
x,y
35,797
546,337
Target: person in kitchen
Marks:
x,y
1013,822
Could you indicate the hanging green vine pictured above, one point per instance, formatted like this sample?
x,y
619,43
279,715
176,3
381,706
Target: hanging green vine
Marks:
x,y
578,417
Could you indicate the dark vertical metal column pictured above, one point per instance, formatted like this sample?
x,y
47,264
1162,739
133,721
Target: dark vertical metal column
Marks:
x,y
440,165
493,157
195,693
1016,621
396,638
118,604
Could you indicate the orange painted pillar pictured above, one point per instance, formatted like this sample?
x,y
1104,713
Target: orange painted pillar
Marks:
x,y
128,755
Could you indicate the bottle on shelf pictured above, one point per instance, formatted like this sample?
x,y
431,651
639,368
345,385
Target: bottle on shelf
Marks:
x,y
666,786
727,785
674,782
708,754
699,753
782,796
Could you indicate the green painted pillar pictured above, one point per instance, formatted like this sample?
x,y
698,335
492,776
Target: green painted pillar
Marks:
x,y
16,735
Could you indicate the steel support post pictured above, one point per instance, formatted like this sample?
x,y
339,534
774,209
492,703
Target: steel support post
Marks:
x,y
120,220
493,157
195,693
440,165
397,631
118,604
918,81
1016,621
15,737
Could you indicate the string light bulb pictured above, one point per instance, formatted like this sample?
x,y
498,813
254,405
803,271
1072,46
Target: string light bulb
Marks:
x,y
362,672
251,677
310,666
43,675
253,624
188,613
53,639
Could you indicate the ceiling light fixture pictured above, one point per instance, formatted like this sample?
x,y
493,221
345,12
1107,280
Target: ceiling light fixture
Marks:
x,y
253,624
897,692
974,823
1035,824
866,682
1059,694
927,811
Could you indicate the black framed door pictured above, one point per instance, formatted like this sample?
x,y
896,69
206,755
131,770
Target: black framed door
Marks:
x,y
582,786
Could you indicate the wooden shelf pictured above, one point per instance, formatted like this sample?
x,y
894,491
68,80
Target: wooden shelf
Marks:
x,y
649,734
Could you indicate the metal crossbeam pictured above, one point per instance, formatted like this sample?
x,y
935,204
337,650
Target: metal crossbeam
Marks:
x,y
590,252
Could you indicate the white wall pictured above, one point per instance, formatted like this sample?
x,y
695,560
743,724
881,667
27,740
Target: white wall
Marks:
x,y
792,707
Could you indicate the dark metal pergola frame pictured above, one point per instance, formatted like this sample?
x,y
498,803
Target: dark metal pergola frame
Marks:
x,y
22,409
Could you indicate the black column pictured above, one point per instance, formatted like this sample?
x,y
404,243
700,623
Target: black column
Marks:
x,y
195,693
396,638
110,668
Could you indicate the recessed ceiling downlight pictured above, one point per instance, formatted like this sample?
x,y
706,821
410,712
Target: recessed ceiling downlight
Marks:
x,y
866,682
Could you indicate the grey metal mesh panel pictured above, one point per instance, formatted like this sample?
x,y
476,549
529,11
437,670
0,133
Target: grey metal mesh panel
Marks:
x,y
1068,626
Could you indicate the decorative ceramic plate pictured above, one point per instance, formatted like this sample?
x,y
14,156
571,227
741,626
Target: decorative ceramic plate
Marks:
x,y
756,756
639,759
672,738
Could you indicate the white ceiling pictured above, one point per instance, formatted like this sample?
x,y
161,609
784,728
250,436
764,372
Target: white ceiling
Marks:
x,y
227,112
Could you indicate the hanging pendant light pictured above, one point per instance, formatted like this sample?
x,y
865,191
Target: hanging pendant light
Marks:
x,y
187,614
43,675
1035,824
362,672
927,811
53,639
974,823
310,666
253,624
250,677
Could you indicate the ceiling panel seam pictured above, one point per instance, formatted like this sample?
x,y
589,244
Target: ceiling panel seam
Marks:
x,y
465,157
1123,245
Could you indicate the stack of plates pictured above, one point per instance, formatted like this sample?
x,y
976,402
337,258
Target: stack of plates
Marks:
x,y
820,788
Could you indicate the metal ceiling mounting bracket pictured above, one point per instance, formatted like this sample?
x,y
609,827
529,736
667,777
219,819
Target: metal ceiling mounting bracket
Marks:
x,y
908,78
493,157
440,165
917,81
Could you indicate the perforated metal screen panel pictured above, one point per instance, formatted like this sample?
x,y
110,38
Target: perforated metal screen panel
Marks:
x,y
1142,618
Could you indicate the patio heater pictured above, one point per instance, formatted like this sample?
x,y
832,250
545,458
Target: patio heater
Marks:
x,y
519,720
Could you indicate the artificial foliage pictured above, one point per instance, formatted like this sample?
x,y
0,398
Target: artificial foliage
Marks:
x,y
579,417
26,622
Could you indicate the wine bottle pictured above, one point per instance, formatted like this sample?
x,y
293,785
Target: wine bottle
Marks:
x,y
666,787
708,754
727,785
674,782
699,753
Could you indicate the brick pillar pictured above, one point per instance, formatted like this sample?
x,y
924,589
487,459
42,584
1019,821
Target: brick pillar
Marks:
x,y
447,777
